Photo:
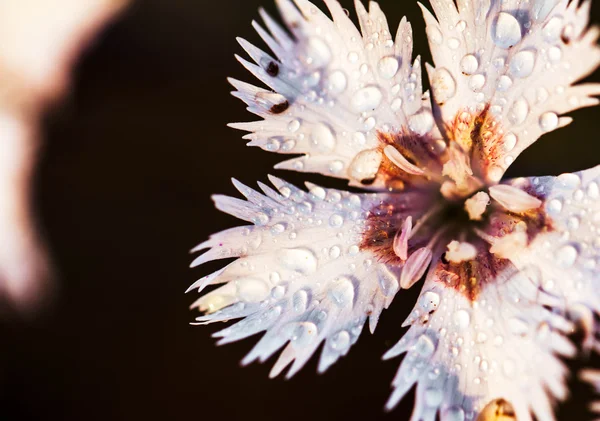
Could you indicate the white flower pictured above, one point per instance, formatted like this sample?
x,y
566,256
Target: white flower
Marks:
x,y
510,266
40,42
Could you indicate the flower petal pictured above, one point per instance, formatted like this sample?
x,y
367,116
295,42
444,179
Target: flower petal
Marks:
x,y
334,89
300,275
464,355
517,61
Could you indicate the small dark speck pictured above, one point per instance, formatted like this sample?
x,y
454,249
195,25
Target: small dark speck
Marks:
x,y
565,39
279,108
273,69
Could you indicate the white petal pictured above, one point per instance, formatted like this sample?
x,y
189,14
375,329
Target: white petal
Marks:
x,y
335,89
520,58
462,355
300,275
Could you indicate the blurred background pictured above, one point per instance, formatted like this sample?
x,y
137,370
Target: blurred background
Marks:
x,y
130,159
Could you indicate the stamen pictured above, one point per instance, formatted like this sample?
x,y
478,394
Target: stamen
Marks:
x,y
460,252
415,267
514,199
401,162
401,239
476,205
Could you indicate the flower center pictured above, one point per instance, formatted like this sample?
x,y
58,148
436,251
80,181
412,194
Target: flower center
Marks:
x,y
448,209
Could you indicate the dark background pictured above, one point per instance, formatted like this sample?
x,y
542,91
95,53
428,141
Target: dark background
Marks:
x,y
123,192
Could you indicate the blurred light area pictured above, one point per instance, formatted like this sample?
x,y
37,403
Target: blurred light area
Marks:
x,y
40,43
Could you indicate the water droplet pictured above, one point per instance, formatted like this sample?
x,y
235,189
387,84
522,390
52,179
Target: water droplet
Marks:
x,y
469,64
566,256
334,252
317,52
443,85
522,63
366,165
342,292
548,121
504,83
366,99
552,29
300,301
294,126
396,104
424,346
322,138
519,112
569,181
336,166
461,319
555,206
261,219
506,32
510,141
336,220
277,229
278,292
340,341
476,82
434,35
453,43
453,414
433,397
352,57
387,281
429,301
338,82
554,54
300,260
304,334
421,123
461,26
388,67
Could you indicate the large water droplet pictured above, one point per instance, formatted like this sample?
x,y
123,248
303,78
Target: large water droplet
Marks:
x,y
304,334
553,29
424,346
429,301
252,290
453,414
522,63
569,181
555,206
336,220
421,123
300,301
461,319
476,82
433,397
469,64
548,121
338,82
510,141
566,256
340,341
300,260
366,99
388,67
519,112
506,32
318,53
294,126
322,138
387,281
443,85
365,165
504,83
342,292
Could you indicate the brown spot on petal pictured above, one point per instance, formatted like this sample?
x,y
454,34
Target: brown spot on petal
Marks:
x,y
273,69
280,108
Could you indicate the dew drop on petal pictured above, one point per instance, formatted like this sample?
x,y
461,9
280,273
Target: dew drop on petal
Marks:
x,y
388,67
510,141
461,319
506,32
522,63
566,256
318,52
555,206
434,35
476,82
553,29
341,341
322,138
433,397
342,292
453,414
504,83
548,121
337,82
294,126
300,260
424,346
421,123
429,301
300,301
443,85
365,165
336,220
519,112
366,99
469,64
